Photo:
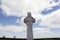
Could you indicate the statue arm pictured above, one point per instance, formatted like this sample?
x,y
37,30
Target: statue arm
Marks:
x,y
25,20
33,20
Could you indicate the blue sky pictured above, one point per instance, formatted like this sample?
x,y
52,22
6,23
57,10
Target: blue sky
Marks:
x,y
46,13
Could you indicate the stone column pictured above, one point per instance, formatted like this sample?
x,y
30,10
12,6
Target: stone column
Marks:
x,y
29,20
29,32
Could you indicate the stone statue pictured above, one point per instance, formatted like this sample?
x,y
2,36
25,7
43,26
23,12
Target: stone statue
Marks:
x,y
29,20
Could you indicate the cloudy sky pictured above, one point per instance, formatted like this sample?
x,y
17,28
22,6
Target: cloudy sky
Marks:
x,y
46,13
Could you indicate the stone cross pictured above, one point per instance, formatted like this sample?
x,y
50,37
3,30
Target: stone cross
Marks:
x,y
29,20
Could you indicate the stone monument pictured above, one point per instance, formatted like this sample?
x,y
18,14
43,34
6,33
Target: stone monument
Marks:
x,y
29,20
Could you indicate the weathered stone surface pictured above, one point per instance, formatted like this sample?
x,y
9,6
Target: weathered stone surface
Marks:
x,y
29,20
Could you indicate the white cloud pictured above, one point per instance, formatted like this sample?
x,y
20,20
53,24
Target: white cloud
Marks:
x,y
51,20
44,33
10,31
12,28
21,7
20,32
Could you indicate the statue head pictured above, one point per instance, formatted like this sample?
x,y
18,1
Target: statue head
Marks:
x,y
29,19
29,14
